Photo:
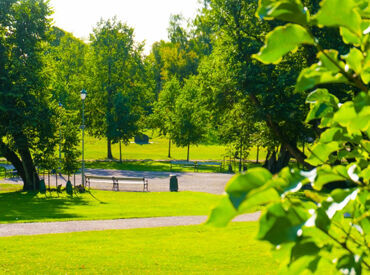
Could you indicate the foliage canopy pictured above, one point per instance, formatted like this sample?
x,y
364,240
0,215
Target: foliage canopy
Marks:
x,y
323,225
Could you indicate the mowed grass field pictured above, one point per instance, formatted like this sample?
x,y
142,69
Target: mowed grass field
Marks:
x,y
171,250
96,149
100,205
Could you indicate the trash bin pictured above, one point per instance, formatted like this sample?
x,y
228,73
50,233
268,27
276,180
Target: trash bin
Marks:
x,y
174,185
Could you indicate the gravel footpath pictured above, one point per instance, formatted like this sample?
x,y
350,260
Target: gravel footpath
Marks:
x,y
22,229
158,181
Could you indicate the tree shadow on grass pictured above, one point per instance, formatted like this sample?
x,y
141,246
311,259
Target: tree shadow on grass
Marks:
x,y
22,206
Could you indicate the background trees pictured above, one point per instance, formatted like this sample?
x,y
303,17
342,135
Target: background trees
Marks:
x,y
116,76
163,115
65,65
233,76
190,119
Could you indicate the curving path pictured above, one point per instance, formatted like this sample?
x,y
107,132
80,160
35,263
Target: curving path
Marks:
x,y
21,229
158,181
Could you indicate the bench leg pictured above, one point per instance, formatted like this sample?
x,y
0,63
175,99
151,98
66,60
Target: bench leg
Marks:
x,y
146,186
115,186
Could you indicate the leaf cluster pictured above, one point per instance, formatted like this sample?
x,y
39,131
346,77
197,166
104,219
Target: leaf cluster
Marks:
x,y
317,220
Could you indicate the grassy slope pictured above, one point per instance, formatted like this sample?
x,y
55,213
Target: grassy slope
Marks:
x,y
175,250
28,207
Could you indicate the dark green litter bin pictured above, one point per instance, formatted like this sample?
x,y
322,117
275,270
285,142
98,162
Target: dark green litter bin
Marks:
x,y
174,184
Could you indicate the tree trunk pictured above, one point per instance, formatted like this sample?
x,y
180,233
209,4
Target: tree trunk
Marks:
x,y
24,165
240,156
292,148
32,182
258,152
270,160
188,152
109,148
12,157
120,152
169,148
275,165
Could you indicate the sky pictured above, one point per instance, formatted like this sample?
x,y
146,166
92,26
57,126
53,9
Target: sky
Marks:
x,y
149,18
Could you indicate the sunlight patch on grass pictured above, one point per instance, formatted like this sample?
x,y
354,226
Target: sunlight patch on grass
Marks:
x,y
172,250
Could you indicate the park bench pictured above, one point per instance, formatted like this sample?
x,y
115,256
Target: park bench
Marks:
x,y
116,181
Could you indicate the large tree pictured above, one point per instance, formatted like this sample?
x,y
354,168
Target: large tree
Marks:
x,y
27,115
66,67
164,110
230,75
116,74
190,118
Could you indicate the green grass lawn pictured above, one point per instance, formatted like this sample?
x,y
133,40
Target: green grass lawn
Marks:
x,y
158,166
96,149
30,207
172,250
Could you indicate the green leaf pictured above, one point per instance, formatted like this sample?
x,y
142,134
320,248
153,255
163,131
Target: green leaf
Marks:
x,y
315,75
364,7
322,220
304,248
322,95
365,74
319,110
365,173
347,117
339,195
329,60
238,188
349,37
278,225
281,41
222,214
354,60
286,10
339,13
325,104
349,264
320,152
252,179
289,181
303,264
325,174
332,134
365,225
259,198
339,202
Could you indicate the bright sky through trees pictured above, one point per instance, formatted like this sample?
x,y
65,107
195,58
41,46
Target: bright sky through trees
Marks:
x,y
149,18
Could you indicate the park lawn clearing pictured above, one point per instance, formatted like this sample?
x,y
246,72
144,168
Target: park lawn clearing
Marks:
x,y
167,250
32,207
159,166
157,149
9,187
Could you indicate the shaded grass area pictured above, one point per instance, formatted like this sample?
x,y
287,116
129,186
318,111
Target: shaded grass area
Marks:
x,y
31,207
173,250
160,166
